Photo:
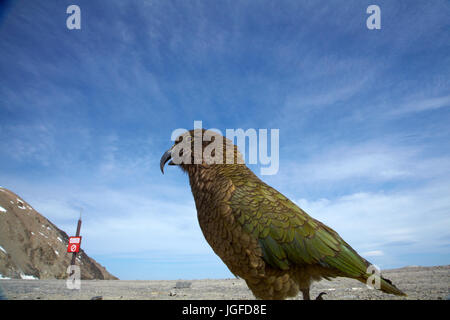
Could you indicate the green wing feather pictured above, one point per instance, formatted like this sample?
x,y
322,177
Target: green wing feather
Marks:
x,y
287,235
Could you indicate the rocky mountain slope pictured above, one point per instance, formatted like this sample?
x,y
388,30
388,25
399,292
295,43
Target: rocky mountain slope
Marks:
x,y
31,247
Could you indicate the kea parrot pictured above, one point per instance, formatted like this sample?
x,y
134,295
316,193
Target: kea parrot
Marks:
x,y
260,235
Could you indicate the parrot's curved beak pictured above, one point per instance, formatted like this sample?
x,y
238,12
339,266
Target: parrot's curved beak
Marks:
x,y
165,157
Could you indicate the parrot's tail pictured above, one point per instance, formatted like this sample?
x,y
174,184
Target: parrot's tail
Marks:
x,y
377,281
388,287
385,285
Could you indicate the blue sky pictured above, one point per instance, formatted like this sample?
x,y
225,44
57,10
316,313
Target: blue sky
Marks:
x,y
85,116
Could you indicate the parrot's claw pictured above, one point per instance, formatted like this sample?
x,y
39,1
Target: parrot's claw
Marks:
x,y
319,297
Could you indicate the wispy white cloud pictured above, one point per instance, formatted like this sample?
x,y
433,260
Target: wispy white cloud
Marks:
x,y
374,253
360,162
124,221
395,222
422,105
28,142
373,161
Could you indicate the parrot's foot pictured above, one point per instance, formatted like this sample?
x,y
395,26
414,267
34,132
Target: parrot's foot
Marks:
x,y
307,297
319,297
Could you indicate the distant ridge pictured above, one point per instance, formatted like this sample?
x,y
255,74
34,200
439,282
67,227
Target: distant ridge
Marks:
x,y
32,247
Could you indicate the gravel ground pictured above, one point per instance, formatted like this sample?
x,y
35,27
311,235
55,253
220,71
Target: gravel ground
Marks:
x,y
422,283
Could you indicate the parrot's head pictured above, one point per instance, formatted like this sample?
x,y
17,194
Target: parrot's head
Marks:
x,y
201,149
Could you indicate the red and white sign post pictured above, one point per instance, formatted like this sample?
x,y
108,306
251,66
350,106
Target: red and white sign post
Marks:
x,y
74,245
74,278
